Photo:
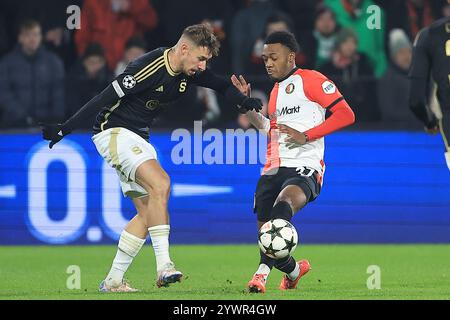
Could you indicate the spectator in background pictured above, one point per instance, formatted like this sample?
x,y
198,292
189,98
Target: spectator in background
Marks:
x,y
88,77
304,20
203,104
57,38
353,14
324,34
31,81
247,26
176,15
134,48
278,21
411,15
111,23
301,12
353,74
52,16
393,87
420,15
446,10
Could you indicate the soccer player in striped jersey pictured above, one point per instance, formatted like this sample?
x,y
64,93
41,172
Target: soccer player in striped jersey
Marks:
x,y
294,170
125,111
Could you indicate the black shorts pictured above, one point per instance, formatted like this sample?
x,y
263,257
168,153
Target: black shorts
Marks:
x,y
270,185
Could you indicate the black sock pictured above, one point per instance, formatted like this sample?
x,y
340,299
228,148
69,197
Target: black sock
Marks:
x,y
286,265
282,210
268,261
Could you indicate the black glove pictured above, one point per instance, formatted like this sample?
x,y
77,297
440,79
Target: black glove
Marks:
x,y
53,133
250,104
432,123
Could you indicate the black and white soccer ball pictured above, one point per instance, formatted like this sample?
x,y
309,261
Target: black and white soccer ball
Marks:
x,y
278,238
129,82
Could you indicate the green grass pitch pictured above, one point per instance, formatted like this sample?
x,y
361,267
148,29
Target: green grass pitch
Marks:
x,y
222,272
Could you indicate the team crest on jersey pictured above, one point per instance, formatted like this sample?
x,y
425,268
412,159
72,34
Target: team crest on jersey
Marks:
x,y
328,87
290,88
129,82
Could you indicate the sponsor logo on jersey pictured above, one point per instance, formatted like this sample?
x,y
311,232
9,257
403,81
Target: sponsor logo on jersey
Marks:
x,y
285,111
290,88
328,87
152,104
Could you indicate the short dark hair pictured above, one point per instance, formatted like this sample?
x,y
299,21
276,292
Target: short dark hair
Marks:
x,y
136,42
284,38
203,36
28,24
94,49
321,9
279,16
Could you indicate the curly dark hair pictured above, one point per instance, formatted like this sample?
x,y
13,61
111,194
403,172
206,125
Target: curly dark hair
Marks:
x,y
284,38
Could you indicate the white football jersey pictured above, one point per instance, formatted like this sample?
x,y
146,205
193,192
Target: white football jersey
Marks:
x,y
300,102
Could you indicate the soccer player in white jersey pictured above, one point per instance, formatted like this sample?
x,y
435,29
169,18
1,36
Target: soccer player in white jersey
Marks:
x,y
296,127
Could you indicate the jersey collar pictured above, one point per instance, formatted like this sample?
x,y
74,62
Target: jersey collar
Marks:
x,y
166,62
288,75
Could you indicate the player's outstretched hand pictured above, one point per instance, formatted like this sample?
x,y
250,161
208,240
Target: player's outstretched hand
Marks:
x,y
52,132
245,88
242,85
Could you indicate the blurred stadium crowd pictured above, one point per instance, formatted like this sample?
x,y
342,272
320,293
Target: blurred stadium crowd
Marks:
x,y
47,72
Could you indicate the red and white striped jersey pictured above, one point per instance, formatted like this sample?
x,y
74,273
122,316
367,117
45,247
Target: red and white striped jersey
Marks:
x,y
300,102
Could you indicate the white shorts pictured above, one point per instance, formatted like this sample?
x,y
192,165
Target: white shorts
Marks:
x,y
125,151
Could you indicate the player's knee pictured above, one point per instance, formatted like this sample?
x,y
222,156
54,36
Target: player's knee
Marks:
x,y
142,217
161,190
296,202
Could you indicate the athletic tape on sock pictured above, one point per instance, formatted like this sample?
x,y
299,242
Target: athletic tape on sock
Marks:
x,y
159,230
130,244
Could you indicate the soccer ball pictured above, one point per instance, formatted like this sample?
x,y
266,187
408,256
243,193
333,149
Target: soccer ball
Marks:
x,y
277,238
129,82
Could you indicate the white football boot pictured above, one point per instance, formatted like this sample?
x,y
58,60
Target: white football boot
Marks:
x,y
122,287
168,275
